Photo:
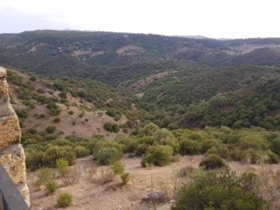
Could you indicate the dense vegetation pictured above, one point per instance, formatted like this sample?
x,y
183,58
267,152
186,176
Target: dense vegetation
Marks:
x,y
161,97
170,76
158,146
255,105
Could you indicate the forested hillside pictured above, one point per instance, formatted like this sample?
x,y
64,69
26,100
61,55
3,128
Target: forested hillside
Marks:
x,y
107,97
174,80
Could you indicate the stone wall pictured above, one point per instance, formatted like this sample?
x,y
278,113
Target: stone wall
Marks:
x,y
11,151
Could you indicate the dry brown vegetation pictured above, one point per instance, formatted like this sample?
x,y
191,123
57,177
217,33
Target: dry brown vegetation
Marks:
x,y
92,193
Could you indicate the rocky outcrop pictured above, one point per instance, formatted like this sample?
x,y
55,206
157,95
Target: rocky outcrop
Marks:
x,y
11,152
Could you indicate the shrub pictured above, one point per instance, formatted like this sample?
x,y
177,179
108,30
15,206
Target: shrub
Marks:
x,y
63,95
45,175
108,155
250,156
81,151
64,200
51,186
56,119
189,147
50,129
52,106
275,146
33,78
118,168
111,113
107,175
62,166
220,190
34,159
148,130
207,144
140,149
72,177
69,175
273,158
53,153
188,171
111,127
159,155
222,151
71,112
125,178
254,142
211,162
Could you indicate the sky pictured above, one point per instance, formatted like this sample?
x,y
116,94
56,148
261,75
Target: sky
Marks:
x,y
210,18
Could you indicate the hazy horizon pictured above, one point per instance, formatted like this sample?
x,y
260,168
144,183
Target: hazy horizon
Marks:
x,y
212,19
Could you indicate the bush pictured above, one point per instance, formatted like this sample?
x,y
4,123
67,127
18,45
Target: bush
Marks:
x,y
273,158
275,146
56,119
189,147
50,129
211,162
64,200
111,127
51,186
108,155
118,168
254,142
222,151
111,113
63,95
62,166
69,175
52,106
54,153
159,155
45,175
125,178
34,159
107,175
220,190
81,151
148,130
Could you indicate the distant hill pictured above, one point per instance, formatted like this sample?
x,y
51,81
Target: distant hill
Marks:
x,y
81,53
148,77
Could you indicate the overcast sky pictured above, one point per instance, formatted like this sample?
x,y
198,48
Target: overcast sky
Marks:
x,y
211,18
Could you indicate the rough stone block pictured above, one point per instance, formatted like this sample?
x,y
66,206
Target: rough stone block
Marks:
x,y
13,160
4,91
10,132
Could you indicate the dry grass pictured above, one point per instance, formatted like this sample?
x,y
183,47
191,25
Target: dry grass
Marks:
x,y
94,190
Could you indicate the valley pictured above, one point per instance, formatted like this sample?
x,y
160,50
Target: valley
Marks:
x,y
158,106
